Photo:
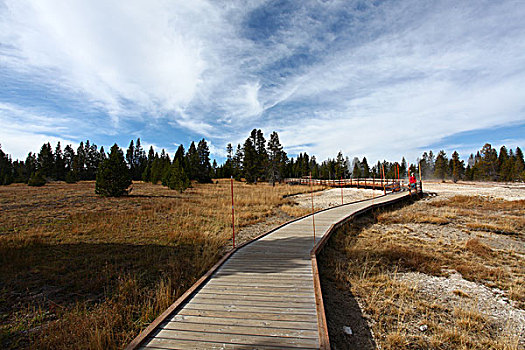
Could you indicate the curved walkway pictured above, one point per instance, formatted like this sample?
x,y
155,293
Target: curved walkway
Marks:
x,y
262,297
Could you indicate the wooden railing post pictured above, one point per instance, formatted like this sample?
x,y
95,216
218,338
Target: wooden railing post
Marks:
x,y
341,185
312,193
233,216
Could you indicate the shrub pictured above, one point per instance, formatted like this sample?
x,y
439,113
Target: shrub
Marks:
x,y
71,177
113,175
36,179
176,178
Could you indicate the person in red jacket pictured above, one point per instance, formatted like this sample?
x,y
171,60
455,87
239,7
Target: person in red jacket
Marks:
x,y
412,181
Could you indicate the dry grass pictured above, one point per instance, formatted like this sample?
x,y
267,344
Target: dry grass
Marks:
x,y
81,271
366,256
478,248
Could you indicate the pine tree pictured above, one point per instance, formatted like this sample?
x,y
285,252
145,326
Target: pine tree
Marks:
x,y
305,165
489,162
431,163
192,162
157,168
458,167
45,160
519,165
60,169
113,176
505,164
30,166
469,175
214,170
204,167
130,157
314,167
102,155
227,168
179,155
165,167
92,160
69,156
339,165
6,168
366,168
19,170
139,161
177,178
249,163
356,168
356,172
441,165
237,163
262,155
79,163
403,168
146,174
276,159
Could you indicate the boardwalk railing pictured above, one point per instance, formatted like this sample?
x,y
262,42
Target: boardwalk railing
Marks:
x,y
387,185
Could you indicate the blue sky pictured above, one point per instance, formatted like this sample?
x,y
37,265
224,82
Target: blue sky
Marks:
x,y
380,79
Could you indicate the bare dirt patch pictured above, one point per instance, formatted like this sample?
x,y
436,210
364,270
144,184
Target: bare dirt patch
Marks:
x,y
332,197
503,190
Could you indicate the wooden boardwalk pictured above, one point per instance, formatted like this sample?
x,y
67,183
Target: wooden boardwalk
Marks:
x,y
262,297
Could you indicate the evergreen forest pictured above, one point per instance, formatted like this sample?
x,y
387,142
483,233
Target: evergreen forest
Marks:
x,y
257,159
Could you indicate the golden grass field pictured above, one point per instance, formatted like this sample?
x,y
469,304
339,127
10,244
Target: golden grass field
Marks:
x,y
395,268
82,271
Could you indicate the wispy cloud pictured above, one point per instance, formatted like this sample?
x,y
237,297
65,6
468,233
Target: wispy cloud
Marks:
x,y
380,79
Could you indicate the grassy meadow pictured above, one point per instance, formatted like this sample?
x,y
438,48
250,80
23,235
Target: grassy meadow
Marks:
x,y
375,259
82,271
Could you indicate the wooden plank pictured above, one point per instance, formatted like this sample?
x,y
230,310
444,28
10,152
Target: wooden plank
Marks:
x,y
258,292
248,297
206,327
231,307
263,284
169,336
184,344
291,262
248,263
268,301
256,288
267,269
277,276
268,316
236,277
243,322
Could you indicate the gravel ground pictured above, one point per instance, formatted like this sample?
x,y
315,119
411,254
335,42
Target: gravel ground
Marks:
x,y
503,190
332,197
456,291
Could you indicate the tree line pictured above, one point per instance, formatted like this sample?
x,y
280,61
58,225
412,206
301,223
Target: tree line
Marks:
x,y
254,161
486,165
84,164
257,160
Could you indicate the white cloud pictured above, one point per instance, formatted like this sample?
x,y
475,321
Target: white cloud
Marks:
x,y
328,76
23,132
